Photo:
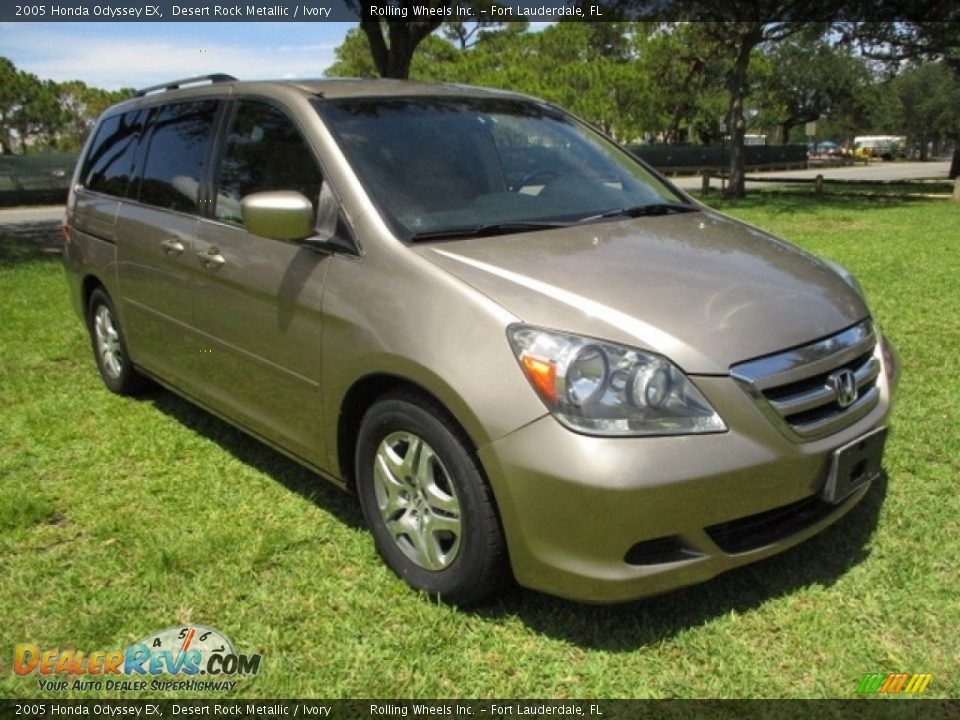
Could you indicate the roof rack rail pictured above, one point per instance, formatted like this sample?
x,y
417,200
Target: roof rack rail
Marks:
x,y
175,84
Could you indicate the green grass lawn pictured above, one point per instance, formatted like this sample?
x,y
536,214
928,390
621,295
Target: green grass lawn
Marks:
x,y
121,517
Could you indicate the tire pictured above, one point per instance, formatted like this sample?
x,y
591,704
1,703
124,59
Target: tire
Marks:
x,y
110,347
430,510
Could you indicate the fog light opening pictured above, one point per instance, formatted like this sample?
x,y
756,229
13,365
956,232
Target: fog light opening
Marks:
x,y
667,549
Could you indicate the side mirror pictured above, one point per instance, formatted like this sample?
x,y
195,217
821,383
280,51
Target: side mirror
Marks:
x,y
280,215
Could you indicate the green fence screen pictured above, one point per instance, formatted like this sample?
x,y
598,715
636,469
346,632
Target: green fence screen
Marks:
x,y
34,179
29,179
716,158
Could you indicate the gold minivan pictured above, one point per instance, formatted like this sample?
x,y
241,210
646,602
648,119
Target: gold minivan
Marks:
x,y
527,353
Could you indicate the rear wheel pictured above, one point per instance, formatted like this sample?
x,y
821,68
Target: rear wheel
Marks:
x,y
110,348
429,508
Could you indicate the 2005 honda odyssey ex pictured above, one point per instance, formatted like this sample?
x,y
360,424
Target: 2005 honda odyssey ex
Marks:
x,y
525,351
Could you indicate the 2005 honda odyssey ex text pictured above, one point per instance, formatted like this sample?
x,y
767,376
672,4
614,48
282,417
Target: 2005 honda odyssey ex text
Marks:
x,y
527,353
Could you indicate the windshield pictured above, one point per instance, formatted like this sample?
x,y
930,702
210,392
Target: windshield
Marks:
x,y
471,166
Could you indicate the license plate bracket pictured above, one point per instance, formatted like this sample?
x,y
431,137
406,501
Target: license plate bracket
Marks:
x,y
854,465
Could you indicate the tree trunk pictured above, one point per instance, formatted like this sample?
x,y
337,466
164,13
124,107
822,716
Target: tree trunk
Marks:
x,y
378,46
955,163
673,130
785,128
736,185
737,82
402,45
393,61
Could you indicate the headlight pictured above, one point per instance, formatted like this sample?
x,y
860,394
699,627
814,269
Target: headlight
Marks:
x,y
601,388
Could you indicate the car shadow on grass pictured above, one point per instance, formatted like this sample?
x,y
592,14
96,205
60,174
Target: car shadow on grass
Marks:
x,y
250,451
27,242
822,560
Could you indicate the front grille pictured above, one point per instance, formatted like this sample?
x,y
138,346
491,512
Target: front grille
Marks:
x,y
801,390
757,531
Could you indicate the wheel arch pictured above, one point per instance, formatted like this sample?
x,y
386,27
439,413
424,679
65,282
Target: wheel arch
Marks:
x,y
90,283
366,391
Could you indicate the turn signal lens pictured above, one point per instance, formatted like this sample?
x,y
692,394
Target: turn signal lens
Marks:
x,y
543,375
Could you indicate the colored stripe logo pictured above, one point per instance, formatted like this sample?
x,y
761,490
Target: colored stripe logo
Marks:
x,y
894,683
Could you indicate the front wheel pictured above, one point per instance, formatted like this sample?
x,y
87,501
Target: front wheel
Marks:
x,y
429,508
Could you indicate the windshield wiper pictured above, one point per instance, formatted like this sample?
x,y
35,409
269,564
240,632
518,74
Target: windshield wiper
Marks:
x,y
641,211
518,226
487,229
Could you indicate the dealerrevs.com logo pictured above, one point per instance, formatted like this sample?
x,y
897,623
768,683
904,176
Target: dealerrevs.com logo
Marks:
x,y
187,652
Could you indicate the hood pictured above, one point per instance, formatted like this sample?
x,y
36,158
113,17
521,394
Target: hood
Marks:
x,y
703,289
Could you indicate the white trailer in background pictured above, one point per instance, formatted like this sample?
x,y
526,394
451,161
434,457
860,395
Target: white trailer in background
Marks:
x,y
881,146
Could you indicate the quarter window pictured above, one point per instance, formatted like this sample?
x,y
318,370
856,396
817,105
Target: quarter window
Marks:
x,y
178,155
264,151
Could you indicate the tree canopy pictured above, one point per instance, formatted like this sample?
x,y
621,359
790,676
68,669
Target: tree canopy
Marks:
x,y
686,82
912,43
38,115
655,82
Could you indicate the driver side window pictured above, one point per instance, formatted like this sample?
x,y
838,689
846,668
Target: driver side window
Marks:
x,y
263,151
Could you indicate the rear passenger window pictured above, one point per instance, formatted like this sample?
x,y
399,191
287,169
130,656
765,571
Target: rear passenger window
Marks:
x,y
110,162
178,155
263,151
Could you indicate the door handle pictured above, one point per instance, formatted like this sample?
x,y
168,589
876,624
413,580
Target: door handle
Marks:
x,y
211,259
172,246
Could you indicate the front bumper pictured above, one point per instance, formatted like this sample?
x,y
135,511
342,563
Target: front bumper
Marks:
x,y
614,519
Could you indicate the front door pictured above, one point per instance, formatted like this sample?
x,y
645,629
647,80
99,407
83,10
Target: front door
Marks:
x,y
257,302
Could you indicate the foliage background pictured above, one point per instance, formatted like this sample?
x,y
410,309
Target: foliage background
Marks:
x,y
639,81
665,82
